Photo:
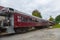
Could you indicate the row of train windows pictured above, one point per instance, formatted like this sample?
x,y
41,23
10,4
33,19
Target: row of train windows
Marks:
x,y
23,19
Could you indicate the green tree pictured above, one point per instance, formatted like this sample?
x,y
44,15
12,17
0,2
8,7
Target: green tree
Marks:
x,y
51,18
36,13
57,19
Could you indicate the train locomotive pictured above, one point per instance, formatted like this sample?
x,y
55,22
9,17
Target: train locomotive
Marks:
x,y
13,21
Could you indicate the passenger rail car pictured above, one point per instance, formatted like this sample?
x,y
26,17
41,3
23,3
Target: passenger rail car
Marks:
x,y
13,21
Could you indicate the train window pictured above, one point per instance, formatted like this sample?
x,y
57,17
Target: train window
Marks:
x,y
36,21
24,19
19,18
30,19
11,9
33,19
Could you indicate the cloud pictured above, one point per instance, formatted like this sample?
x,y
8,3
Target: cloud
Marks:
x,y
46,7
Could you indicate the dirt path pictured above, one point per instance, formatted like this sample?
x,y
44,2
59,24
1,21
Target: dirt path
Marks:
x,y
43,34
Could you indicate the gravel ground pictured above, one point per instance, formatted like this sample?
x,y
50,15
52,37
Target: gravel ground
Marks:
x,y
42,34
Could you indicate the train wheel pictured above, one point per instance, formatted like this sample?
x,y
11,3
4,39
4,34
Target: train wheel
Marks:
x,y
17,30
21,30
26,29
41,27
37,28
46,26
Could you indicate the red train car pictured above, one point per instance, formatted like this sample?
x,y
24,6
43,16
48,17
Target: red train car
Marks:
x,y
12,21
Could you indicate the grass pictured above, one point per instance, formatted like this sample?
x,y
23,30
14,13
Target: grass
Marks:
x,y
56,26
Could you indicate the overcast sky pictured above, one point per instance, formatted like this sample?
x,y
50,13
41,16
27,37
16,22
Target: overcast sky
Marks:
x,y
46,7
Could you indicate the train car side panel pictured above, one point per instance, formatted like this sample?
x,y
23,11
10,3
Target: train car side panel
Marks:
x,y
18,22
